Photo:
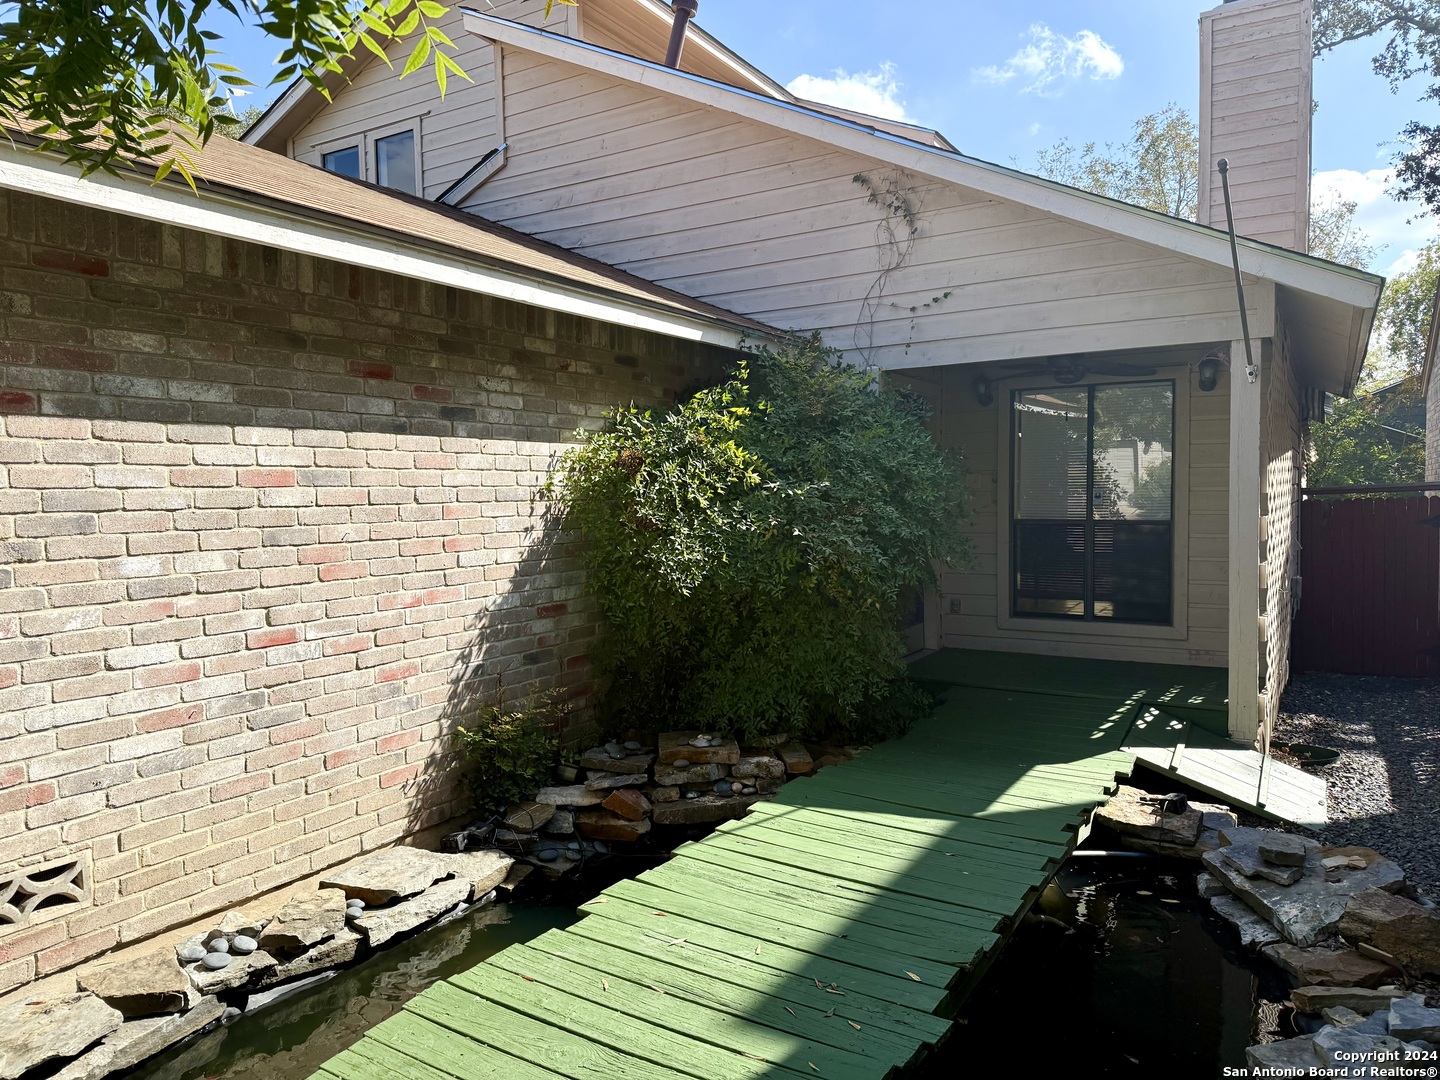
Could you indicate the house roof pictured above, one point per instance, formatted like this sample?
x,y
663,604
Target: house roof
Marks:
x,y
1330,307
253,194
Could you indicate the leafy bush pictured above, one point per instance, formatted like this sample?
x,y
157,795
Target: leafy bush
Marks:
x,y
750,546
508,755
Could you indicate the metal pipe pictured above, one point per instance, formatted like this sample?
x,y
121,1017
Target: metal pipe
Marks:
x,y
684,11
1251,371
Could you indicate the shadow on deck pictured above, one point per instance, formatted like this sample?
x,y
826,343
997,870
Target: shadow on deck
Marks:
x,y
829,933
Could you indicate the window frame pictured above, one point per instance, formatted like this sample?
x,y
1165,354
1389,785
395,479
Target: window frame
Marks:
x,y
369,163
1006,617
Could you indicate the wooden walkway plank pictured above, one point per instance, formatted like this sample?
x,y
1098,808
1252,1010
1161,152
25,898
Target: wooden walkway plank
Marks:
x,y
702,1022
745,1002
411,1034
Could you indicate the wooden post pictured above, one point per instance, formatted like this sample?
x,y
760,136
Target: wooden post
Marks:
x,y
1244,547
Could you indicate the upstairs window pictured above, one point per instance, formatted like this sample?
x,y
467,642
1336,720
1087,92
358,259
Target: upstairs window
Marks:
x,y
345,161
395,161
1092,531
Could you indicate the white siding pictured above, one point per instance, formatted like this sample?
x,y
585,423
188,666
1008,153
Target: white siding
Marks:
x,y
972,601
1255,104
774,226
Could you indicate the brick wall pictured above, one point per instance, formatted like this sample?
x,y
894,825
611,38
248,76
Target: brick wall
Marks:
x,y
268,531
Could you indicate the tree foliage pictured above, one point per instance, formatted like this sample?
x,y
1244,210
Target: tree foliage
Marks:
x,y
1158,168
1364,441
1404,315
749,547
1410,32
109,82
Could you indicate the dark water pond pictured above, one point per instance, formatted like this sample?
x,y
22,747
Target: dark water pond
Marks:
x,y
1148,982
292,1038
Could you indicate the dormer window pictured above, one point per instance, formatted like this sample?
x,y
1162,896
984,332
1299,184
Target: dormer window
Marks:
x,y
387,156
346,161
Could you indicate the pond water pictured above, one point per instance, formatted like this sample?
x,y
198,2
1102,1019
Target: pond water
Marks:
x,y
1146,982
292,1038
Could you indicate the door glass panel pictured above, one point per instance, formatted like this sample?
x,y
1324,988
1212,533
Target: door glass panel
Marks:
x,y
395,161
1134,451
1051,456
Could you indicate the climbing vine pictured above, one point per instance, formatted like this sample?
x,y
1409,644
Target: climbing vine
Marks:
x,y
901,205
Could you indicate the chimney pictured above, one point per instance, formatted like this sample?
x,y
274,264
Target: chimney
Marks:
x,y
1255,106
684,11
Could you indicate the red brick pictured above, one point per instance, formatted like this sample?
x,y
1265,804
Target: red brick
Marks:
x,y
300,729
268,639
577,662
442,596
398,671
337,758
549,611
464,543
21,798
12,775
433,393
73,952
170,718
266,478
29,942
72,261
367,369
396,777
323,553
241,785
71,359
343,570
9,676
14,401
398,741
337,646
167,676
395,601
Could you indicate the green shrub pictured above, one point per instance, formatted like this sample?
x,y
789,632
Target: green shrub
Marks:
x,y
508,755
749,548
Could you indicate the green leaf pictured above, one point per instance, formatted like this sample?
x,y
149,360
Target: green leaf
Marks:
x,y
369,43
418,56
406,28
431,10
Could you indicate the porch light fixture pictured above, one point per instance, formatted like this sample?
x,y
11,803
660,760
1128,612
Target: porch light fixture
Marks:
x,y
1209,372
984,392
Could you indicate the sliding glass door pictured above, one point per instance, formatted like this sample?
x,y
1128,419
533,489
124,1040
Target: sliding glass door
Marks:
x,y
1092,502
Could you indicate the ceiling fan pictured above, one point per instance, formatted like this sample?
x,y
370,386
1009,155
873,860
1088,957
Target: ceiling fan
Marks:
x,y
1067,370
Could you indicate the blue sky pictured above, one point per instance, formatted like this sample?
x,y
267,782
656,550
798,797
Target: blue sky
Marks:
x,y
1005,80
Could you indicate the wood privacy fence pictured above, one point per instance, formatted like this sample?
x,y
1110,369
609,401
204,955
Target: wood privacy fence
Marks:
x,y
1370,571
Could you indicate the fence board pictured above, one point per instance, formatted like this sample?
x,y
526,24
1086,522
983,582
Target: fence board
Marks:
x,y
1370,603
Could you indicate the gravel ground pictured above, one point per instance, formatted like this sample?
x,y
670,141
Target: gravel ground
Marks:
x,y
1384,792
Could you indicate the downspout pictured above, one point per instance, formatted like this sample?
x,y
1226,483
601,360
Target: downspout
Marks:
x,y
684,12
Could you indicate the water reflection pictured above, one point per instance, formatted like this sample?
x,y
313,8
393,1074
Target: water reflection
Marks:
x,y
292,1038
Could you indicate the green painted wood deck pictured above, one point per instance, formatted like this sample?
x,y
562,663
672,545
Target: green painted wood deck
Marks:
x,y
831,931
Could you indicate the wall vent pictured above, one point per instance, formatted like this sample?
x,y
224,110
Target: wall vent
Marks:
x,y
35,893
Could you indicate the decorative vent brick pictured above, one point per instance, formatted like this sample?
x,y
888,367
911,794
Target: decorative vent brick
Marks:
x,y
36,893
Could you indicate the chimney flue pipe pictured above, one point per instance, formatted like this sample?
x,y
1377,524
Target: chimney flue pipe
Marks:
x,y
684,12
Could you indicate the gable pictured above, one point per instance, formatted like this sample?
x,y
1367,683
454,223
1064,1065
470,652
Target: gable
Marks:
x,y
776,226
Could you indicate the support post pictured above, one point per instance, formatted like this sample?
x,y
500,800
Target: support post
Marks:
x,y
1244,546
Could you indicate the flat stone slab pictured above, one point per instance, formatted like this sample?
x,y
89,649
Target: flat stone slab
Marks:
x,y
1209,886
338,950
1247,860
628,804
603,825
705,809
380,926
562,824
1410,1020
796,758
482,870
1255,932
1330,967
1308,911
1395,925
601,760
309,919
1313,999
571,795
141,986
758,766
235,922
240,971
135,1040
1289,1057
679,746
34,1032
385,876
1209,840
670,776
1283,849
610,781
522,817
1132,812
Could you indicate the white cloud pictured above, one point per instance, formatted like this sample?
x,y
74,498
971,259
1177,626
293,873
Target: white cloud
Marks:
x,y
876,93
1049,60
1378,214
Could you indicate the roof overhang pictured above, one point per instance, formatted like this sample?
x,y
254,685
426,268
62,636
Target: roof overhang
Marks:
x,y
1342,299
243,216
1432,344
